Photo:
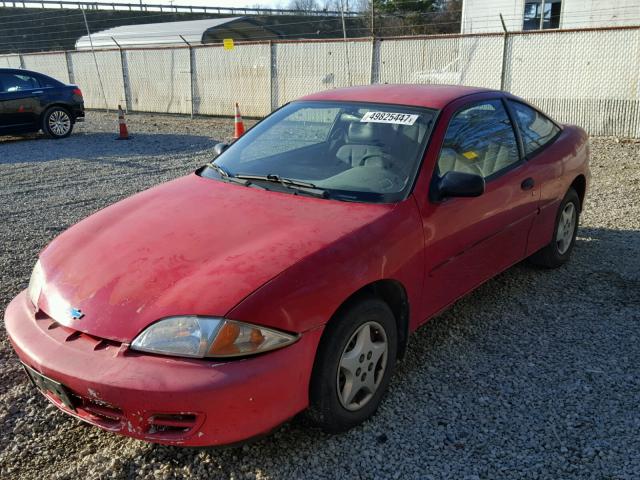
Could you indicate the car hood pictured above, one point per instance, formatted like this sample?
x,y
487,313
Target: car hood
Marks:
x,y
192,246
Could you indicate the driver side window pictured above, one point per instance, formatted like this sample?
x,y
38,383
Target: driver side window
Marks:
x,y
480,140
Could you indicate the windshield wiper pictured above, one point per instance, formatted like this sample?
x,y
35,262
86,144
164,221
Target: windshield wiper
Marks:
x,y
272,177
220,170
297,185
227,177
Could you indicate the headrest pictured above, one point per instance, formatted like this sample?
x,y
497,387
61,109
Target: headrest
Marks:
x,y
361,132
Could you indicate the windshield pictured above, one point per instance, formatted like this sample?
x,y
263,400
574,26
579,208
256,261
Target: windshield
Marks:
x,y
348,151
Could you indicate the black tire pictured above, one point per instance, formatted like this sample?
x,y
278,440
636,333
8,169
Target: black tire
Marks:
x,y
326,410
552,255
57,122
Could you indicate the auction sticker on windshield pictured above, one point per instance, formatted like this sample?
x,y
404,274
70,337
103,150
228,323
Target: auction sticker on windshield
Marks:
x,y
389,117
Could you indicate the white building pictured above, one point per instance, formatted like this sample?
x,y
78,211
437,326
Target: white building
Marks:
x,y
484,15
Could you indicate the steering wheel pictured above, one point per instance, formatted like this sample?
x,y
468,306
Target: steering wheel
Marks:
x,y
337,135
387,161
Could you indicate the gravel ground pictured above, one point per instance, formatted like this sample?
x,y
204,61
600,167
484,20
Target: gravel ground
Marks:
x,y
535,375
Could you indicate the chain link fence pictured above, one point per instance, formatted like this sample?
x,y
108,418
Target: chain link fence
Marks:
x,y
10,61
82,67
222,77
301,68
52,64
588,77
459,60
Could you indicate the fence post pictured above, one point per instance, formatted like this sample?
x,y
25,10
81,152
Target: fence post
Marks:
x,y
503,71
125,78
21,61
505,46
273,85
375,61
190,73
69,67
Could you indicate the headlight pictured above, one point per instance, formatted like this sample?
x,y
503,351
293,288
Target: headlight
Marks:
x,y
200,337
35,284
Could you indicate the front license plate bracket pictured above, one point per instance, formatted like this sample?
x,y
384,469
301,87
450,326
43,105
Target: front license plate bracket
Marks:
x,y
48,385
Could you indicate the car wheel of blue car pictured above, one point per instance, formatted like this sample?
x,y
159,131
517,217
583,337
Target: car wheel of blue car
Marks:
x,y
57,123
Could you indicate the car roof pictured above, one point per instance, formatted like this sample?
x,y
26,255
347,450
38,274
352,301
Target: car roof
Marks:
x,y
430,96
30,72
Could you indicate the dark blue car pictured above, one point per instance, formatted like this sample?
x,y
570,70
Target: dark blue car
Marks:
x,y
31,101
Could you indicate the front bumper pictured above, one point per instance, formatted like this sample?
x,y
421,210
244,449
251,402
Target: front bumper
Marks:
x,y
161,399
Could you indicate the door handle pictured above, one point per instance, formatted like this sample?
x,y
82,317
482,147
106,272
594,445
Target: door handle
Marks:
x,y
527,184
38,92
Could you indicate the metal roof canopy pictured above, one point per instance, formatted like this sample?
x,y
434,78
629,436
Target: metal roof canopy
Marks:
x,y
195,32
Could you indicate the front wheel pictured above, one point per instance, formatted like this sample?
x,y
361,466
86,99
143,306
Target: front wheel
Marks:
x,y
354,364
558,251
57,123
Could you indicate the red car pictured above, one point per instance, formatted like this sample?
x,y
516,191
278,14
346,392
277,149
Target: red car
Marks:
x,y
288,274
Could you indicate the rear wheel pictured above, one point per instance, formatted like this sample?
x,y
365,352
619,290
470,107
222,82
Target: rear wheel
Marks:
x,y
354,364
558,251
57,123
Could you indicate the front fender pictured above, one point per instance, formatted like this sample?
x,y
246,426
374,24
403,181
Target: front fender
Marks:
x,y
307,294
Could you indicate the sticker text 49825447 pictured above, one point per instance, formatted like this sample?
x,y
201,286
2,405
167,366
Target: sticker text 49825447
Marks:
x,y
390,117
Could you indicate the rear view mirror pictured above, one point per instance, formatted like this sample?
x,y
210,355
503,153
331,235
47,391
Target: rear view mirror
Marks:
x,y
219,148
459,184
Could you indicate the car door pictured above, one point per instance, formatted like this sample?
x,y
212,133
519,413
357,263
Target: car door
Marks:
x,y
469,240
19,100
539,134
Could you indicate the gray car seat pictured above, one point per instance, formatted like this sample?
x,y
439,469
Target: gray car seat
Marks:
x,y
450,160
363,146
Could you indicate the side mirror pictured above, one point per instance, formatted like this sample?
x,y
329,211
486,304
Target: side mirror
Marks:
x,y
459,184
219,148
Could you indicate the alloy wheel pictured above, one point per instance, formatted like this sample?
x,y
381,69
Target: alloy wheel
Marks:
x,y
59,123
566,228
362,365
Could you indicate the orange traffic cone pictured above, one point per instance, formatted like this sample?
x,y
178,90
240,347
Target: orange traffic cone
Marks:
x,y
124,132
239,126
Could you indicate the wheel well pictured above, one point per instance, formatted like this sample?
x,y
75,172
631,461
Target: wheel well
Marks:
x,y
61,105
393,294
580,186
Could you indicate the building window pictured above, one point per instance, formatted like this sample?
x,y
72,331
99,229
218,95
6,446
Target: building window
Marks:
x,y
541,14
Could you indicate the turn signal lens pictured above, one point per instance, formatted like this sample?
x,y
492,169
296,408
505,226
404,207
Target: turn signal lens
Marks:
x,y
236,338
225,339
209,337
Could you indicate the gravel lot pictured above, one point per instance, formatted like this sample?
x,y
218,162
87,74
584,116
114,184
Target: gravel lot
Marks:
x,y
535,375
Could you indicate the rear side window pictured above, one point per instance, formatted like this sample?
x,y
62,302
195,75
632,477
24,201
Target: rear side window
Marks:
x,y
16,82
479,140
46,82
536,129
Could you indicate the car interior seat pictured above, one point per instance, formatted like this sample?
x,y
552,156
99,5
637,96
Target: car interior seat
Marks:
x,y
450,160
496,157
364,146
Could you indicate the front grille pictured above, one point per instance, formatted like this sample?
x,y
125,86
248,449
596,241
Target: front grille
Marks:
x,y
66,334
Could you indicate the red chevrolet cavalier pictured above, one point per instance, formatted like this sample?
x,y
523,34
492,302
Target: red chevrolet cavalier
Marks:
x,y
288,274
